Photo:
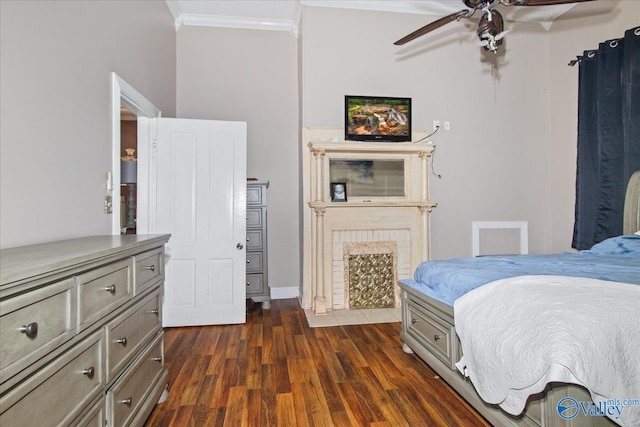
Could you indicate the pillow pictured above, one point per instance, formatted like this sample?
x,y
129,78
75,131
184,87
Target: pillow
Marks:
x,y
627,245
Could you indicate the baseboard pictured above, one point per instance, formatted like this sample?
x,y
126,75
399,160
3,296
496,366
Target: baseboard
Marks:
x,y
285,293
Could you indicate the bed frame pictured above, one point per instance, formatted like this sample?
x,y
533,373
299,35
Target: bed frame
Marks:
x,y
428,330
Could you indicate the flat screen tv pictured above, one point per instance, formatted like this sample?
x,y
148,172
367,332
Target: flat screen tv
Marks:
x,y
377,118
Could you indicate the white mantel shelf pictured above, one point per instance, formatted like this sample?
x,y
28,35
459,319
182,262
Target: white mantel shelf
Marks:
x,y
331,227
403,203
371,147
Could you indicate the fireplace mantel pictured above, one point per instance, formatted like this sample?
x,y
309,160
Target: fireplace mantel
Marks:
x,y
387,200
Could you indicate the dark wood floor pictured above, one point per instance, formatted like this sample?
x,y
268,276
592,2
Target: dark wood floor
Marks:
x,y
276,371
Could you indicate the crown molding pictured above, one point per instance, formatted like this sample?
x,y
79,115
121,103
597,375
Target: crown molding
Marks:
x,y
239,22
254,23
544,15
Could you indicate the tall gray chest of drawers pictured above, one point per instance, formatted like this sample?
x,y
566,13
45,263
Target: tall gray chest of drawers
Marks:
x,y
81,331
257,275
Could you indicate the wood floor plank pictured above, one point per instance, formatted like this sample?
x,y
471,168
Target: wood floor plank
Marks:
x,y
237,414
285,413
355,411
275,370
254,368
303,415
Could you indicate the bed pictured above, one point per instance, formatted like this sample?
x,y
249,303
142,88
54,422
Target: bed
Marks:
x,y
541,345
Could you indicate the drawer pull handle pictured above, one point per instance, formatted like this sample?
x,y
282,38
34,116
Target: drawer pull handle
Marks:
x,y
154,311
30,330
89,372
151,267
413,321
157,359
248,284
436,337
248,261
122,341
126,401
111,289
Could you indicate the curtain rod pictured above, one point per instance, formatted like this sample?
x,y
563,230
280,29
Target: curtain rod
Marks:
x,y
592,53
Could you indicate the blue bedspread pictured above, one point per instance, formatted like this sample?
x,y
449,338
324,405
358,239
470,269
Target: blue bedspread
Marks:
x,y
616,259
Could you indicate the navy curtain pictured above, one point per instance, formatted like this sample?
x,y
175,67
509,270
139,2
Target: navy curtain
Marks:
x,y
608,137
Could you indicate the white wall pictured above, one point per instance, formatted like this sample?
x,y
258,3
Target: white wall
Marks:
x,y
510,154
494,161
251,75
55,107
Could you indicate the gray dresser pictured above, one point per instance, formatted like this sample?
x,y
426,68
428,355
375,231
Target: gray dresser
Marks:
x,y
257,276
81,331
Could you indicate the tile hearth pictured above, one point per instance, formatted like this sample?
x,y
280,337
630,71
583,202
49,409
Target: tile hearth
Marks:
x,y
353,317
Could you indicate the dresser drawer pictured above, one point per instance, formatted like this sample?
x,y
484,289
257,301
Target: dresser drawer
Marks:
x,y
148,267
434,333
130,391
254,261
254,240
95,417
254,283
102,290
255,195
254,218
35,323
60,391
130,331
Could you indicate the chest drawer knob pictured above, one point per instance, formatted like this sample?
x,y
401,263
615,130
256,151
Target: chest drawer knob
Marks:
x,y
89,372
151,267
436,337
413,321
154,311
30,330
157,359
126,401
122,341
111,289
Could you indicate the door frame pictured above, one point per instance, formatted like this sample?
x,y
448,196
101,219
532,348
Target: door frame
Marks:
x,y
125,95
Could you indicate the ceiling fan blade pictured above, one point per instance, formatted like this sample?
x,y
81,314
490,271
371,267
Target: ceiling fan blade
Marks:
x,y
501,35
538,2
433,26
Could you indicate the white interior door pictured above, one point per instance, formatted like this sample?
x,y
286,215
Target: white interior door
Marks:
x,y
201,200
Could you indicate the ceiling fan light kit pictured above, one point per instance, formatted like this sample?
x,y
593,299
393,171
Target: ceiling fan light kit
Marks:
x,y
491,26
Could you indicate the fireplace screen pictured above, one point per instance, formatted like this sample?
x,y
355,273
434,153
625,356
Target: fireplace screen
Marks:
x,y
371,280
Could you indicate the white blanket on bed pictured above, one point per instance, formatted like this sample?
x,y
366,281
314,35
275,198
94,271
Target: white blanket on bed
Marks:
x,y
519,334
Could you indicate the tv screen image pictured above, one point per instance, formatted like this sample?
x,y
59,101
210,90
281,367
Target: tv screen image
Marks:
x,y
377,118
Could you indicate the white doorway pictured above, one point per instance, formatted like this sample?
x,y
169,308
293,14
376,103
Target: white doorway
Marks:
x,y
205,276
125,96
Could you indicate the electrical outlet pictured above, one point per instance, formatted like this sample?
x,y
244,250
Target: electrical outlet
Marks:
x,y
436,124
108,205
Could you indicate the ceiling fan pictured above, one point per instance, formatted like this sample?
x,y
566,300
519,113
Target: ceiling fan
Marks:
x,y
491,26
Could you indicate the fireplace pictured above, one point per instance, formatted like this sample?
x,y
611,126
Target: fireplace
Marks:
x,y
357,256
355,250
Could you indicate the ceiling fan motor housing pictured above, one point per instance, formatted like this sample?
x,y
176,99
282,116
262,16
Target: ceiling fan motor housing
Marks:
x,y
489,27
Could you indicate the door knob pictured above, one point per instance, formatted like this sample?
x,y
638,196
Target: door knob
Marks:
x,y
240,246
